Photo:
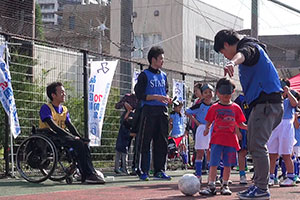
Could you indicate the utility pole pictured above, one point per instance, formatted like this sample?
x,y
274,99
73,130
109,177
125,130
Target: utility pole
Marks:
x,y
254,19
126,44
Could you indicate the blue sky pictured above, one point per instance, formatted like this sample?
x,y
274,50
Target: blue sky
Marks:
x,y
272,18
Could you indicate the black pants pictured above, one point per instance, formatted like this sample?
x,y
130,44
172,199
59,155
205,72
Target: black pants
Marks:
x,y
82,152
154,127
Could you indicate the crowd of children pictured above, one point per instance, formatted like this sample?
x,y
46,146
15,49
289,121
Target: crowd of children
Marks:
x,y
213,122
220,129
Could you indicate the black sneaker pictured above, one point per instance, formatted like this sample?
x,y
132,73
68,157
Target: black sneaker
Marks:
x,y
210,191
94,179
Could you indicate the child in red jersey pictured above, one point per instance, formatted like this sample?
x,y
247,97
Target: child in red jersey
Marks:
x,y
224,142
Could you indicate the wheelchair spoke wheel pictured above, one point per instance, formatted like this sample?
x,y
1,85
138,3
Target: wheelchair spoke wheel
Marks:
x,y
65,166
36,158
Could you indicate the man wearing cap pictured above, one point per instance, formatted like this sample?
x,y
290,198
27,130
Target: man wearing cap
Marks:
x,y
262,90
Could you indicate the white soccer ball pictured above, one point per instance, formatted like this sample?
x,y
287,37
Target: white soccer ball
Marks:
x,y
189,184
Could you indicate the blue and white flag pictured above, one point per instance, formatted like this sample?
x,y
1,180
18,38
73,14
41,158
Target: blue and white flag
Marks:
x,y
7,96
102,73
136,73
178,89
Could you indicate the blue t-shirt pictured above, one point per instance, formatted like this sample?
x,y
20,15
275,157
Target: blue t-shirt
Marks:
x,y
200,111
297,134
45,112
288,110
178,128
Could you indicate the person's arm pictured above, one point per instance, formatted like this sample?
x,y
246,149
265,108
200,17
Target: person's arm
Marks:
x,y
296,122
292,98
171,124
56,128
238,133
140,86
207,127
242,125
238,58
72,129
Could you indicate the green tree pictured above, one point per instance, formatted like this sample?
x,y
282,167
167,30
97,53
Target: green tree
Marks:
x,y
39,29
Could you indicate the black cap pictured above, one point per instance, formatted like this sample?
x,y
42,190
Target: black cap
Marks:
x,y
225,89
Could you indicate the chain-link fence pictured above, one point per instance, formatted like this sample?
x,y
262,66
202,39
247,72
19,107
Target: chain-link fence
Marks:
x,y
33,65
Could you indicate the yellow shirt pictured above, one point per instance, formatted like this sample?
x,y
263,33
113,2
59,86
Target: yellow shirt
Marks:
x,y
58,118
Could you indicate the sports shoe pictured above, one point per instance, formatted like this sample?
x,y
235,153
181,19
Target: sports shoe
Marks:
x,y
243,180
124,171
273,182
211,190
249,189
162,175
117,171
256,193
225,190
287,183
144,177
297,179
94,179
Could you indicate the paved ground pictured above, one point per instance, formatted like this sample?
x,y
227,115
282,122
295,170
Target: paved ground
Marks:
x,y
120,188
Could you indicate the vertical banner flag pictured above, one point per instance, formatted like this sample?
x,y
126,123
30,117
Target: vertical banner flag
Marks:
x,y
102,73
178,89
136,73
7,96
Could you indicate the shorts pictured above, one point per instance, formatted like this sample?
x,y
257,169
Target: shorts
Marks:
x,y
296,151
243,141
201,141
282,139
226,154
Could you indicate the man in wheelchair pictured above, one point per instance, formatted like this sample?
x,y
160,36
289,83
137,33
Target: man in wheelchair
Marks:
x,y
56,117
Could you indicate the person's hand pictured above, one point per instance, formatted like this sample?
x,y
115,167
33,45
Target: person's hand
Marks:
x,y
164,99
205,132
77,138
229,68
128,106
286,89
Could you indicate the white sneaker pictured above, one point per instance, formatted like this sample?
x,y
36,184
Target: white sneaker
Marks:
x,y
225,190
243,180
287,183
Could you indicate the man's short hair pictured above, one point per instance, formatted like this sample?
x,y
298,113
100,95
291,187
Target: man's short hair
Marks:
x,y
51,89
227,35
154,52
225,86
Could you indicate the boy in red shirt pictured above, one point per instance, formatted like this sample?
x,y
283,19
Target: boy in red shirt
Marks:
x,y
224,142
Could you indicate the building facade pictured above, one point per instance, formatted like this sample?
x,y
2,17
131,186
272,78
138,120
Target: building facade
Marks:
x,y
185,29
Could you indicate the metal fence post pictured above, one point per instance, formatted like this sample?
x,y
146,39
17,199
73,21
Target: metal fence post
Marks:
x,y
85,94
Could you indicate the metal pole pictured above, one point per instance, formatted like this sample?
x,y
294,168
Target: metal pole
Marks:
x,y
9,122
254,19
85,95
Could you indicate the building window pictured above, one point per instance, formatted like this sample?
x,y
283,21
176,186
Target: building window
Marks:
x,y
204,51
72,22
142,43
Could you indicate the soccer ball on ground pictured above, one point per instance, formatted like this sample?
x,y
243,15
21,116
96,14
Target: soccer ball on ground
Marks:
x,y
189,184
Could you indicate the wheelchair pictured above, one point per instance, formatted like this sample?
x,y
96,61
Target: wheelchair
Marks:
x,y
42,156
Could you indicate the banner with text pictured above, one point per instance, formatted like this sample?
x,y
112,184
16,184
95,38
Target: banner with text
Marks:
x,y
7,96
178,89
102,73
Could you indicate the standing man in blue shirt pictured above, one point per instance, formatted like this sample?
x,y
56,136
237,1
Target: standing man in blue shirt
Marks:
x,y
262,90
152,89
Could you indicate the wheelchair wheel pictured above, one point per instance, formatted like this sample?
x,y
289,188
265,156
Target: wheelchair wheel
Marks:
x,y
36,158
65,166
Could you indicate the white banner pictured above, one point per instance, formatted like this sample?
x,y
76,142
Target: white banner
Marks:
x,y
7,96
178,89
136,73
102,73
